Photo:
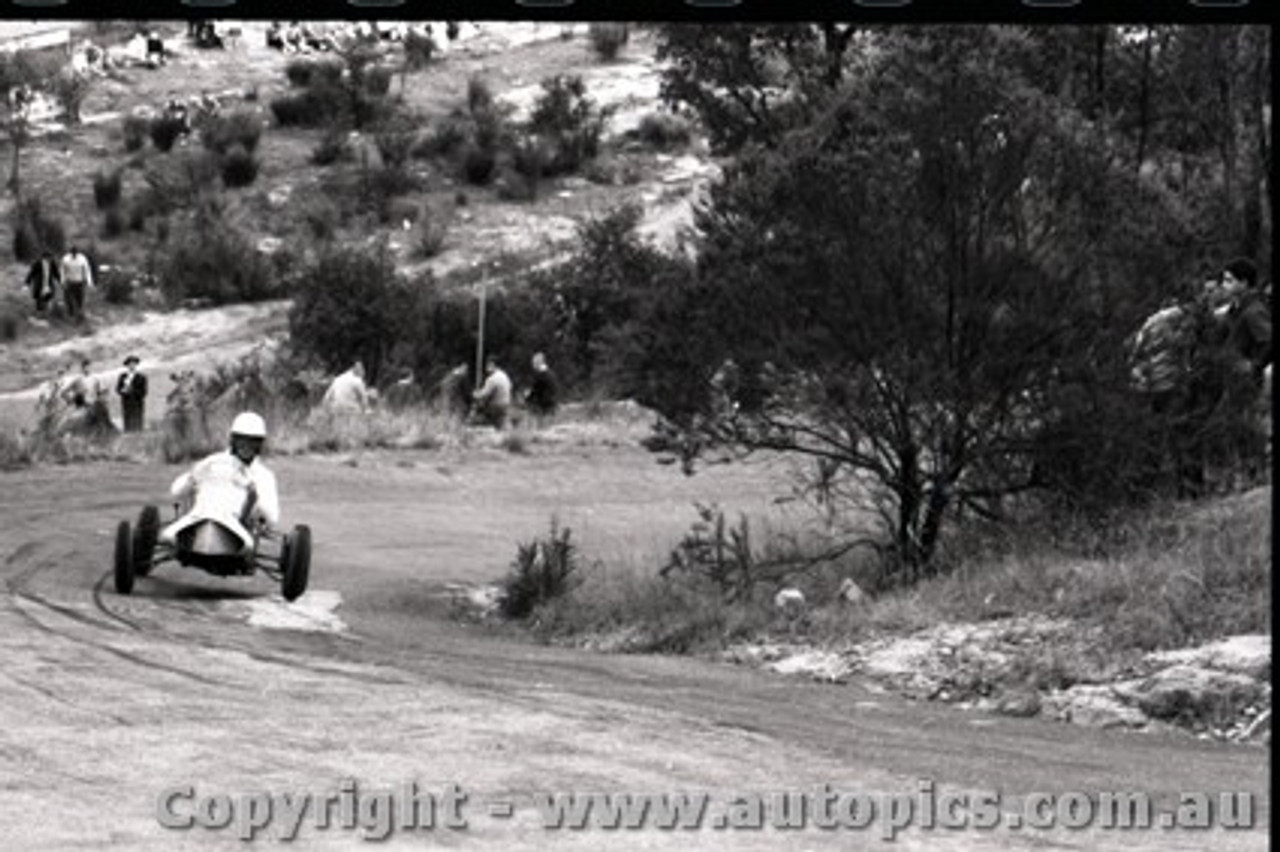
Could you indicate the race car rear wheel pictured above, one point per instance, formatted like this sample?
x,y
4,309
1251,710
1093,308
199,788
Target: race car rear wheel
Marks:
x,y
295,562
144,540
124,559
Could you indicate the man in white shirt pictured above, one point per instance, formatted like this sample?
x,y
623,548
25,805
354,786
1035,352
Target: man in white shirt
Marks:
x,y
493,399
77,276
348,392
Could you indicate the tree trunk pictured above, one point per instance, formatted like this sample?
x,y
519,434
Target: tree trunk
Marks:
x,y
1144,99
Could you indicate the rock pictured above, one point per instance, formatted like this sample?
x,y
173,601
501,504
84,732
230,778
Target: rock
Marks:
x,y
1190,691
1093,706
1021,704
1248,654
823,666
851,592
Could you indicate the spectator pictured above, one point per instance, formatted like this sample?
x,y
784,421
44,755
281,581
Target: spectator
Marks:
x,y
44,277
77,275
82,388
348,392
132,388
541,397
493,399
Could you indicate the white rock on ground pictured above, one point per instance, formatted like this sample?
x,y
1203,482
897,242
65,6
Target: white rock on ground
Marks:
x,y
1248,654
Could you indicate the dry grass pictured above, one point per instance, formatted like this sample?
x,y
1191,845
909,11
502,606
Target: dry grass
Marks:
x,y
1158,579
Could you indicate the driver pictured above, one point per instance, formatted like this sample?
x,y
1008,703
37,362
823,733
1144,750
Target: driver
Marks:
x,y
233,486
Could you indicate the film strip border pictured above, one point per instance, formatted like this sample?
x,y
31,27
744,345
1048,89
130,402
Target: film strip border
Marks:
x,y
1173,11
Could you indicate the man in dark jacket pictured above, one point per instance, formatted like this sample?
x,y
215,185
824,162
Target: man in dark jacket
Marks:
x,y
132,387
44,278
543,391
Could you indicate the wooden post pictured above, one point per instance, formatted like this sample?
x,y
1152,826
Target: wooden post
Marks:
x,y
480,342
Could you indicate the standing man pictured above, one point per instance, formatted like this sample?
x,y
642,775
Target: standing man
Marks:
x,y
541,397
43,278
132,387
493,399
77,275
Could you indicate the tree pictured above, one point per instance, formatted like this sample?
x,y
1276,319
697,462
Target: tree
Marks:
x,y
20,73
749,83
903,294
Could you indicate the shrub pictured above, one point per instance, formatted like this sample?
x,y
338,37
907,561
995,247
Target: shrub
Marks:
x,y
512,185
570,121
71,89
165,130
448,136
223,132
377,81
116,286
419,48
607,39
305,73
8,325
314,107
432,227
479,95
664,130
332,148
395,142
544,570
136,129
114,223
209,259
106,189
239,168
321,216
379,187
478,164
34,231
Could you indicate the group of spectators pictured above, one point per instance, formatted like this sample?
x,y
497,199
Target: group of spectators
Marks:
x,y
490,404
77,399
1203,365
70,277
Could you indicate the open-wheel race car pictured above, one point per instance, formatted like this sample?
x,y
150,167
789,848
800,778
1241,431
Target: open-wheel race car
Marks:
x,y
225,522
211,546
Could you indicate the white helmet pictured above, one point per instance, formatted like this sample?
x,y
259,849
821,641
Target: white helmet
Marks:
x,y
249,425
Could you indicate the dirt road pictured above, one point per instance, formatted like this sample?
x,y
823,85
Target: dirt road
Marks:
x,y
185,692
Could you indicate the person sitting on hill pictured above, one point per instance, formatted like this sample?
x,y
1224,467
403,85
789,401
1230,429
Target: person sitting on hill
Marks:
x,y
348,392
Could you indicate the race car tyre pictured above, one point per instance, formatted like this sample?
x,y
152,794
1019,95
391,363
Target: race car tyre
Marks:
x,y
124,559
145,536
295,560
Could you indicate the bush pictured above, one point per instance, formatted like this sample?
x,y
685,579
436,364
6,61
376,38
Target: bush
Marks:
x,y
224,132
419,48
379,187
332,148
432,227
209,259
34,231
116,286
165,130
544,570
136,129
664,130
607,39
448,136
512,185
304,73
106,189
479,95
395,143
478,164
8,325
570,121
321,216
239,168
314,107
114,223
377,81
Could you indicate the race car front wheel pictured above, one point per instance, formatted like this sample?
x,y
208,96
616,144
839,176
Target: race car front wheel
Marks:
x,y
295,560
124,558
145,536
